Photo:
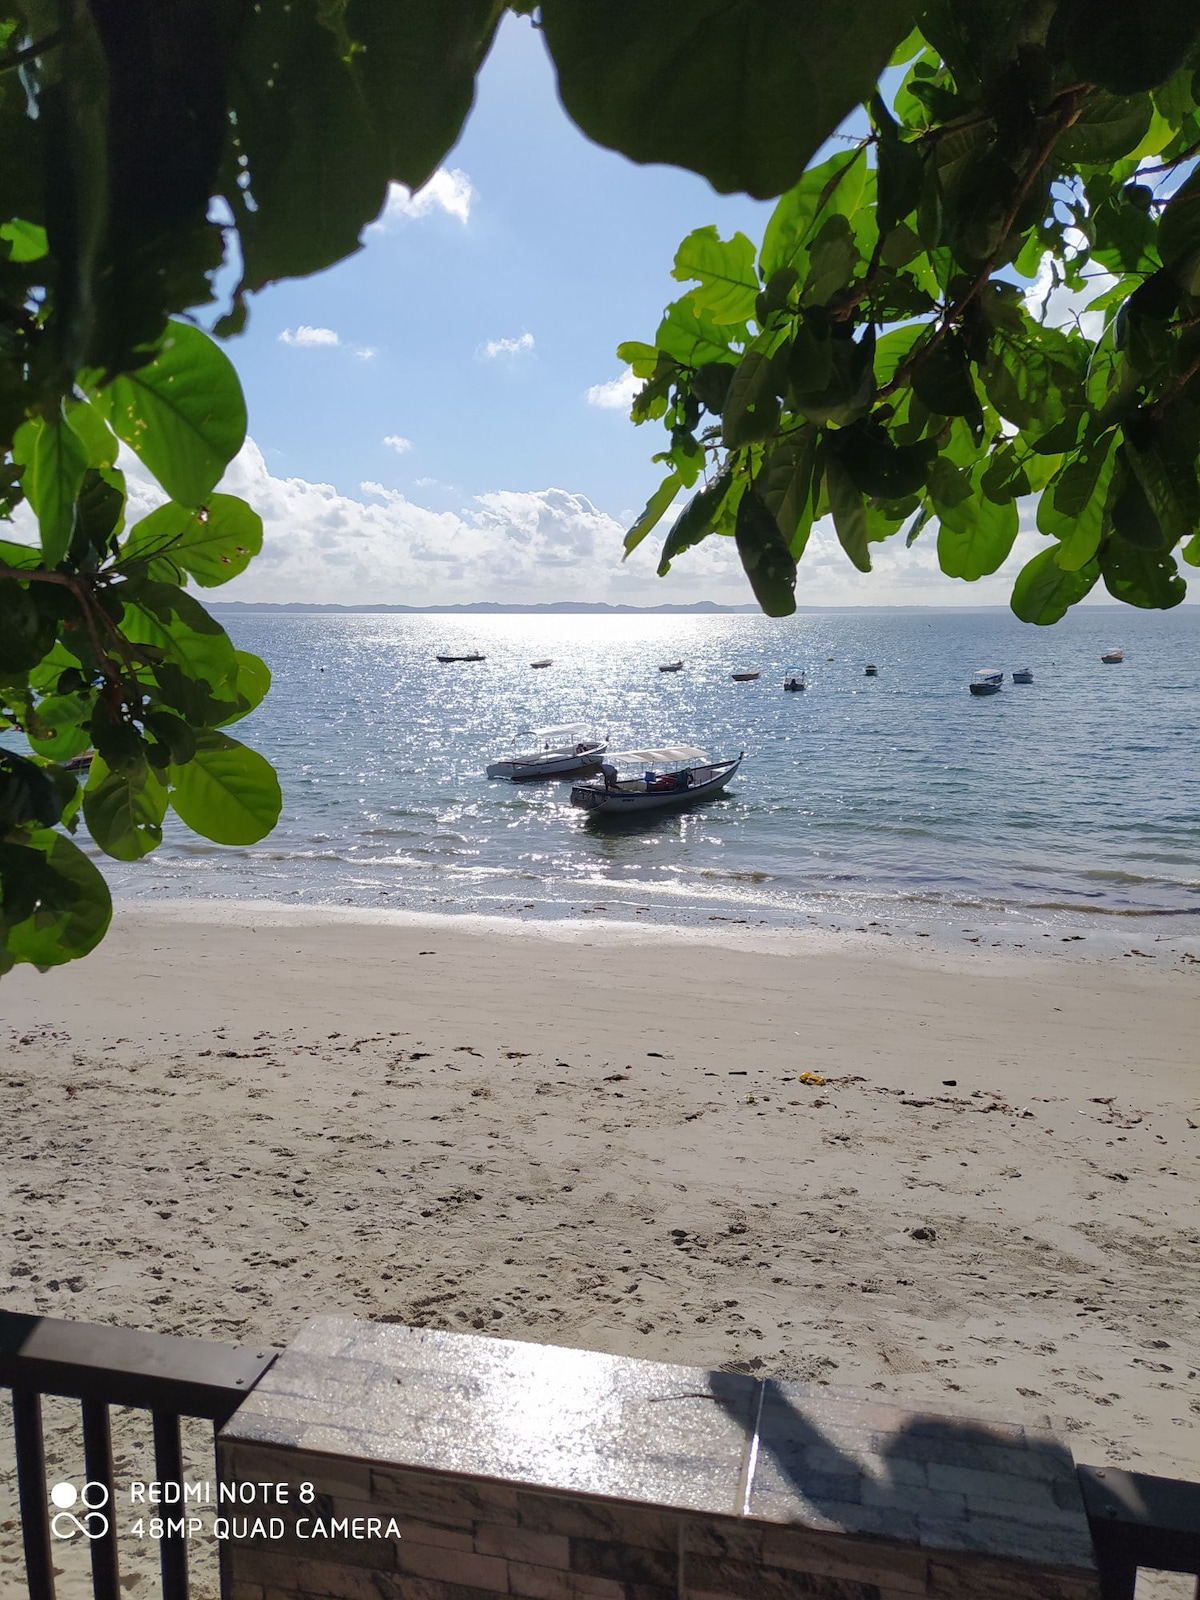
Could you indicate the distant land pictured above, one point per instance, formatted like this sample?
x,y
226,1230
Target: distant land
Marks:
x,y
558,608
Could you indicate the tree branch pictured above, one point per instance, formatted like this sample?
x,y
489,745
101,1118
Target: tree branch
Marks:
x,y
32,51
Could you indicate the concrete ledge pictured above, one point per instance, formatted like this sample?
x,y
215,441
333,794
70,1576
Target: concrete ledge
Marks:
x,y
495,1467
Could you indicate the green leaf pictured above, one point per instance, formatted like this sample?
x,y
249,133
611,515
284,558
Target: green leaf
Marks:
x,y
227,792
725,269
212,544
695,521
692,337
942,380
253,682
643,358
751,408
744,94
656,508
61,730
183,413
976,537
765,556
26,241
26,632
1108,126
834,187
786,486
1045,591
1125,48
849,513
55,462
160,615
65,900
94,434
1140,576
124,810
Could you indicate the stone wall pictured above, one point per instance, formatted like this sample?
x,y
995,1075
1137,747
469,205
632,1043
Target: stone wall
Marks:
x,y
452,1467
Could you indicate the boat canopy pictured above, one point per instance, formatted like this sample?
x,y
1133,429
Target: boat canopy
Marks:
x,y
667,758
565,733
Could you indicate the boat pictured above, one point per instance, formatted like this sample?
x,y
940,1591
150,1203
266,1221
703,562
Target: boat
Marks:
x,y
671,666
870,670
793,678
1113,655
548,662
673,776
745,677
987,681
474,656
1023,675
81,763
561,752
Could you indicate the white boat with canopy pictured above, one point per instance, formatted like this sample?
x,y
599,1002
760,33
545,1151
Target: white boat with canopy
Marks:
x,y
558,752
669,775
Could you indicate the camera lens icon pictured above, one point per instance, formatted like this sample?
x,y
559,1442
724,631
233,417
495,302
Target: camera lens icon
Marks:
x,y
92,1523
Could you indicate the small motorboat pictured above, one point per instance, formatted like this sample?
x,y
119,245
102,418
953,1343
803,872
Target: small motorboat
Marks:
x,y
81,763
561,752
547,662
870,670
1111,657
474,656
671,666
987,681
793,679
745,677
1023,675
675,776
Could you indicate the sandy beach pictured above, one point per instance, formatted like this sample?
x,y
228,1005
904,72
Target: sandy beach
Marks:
x,y
232,1117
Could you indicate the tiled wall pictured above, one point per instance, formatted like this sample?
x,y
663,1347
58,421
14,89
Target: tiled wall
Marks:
x,y
499,1468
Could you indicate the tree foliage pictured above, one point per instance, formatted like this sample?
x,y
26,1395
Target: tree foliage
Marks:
x,y
882,359
875,358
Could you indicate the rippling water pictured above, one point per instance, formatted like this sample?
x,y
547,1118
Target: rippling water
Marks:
x,y
1075,799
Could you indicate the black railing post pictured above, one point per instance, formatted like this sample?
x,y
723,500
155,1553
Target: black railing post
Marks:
x,y
31,1488
98,1465
168,1465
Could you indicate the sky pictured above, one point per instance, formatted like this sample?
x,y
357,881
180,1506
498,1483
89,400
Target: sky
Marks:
x,y
442,417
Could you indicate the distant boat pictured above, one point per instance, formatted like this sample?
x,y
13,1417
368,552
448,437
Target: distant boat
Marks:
x,y
870,670
475,656
548,662
690,776
793,678
988,681
745,677
671,666
1023,675
80,763
1112,656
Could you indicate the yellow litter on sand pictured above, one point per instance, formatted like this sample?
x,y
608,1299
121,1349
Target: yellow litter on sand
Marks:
x,y
814,1078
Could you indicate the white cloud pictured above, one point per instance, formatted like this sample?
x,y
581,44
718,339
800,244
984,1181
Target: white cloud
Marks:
x,y
1064,308
306,337
449,190
365,352
398,443
506,347
615,395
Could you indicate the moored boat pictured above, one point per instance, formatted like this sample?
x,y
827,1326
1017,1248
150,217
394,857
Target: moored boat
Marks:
x,y
548,661
1023,675
987,681
671,666
1113,655
474,656
560,752
794,679
674,776
870,670
745,677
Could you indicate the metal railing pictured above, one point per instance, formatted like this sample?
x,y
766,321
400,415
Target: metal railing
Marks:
x,y
102,1367
1137,1520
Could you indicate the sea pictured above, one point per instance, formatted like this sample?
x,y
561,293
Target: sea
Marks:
x,y
1068,808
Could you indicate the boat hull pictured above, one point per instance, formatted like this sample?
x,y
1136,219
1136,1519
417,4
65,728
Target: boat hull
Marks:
x,y
985,688
559,766
1022,677
672,666
601,802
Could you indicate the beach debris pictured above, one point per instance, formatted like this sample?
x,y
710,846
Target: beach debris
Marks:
x,y
815,1078
949,1083
922,1233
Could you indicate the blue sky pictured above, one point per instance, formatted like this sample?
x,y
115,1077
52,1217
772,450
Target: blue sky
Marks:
x,y
424,417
